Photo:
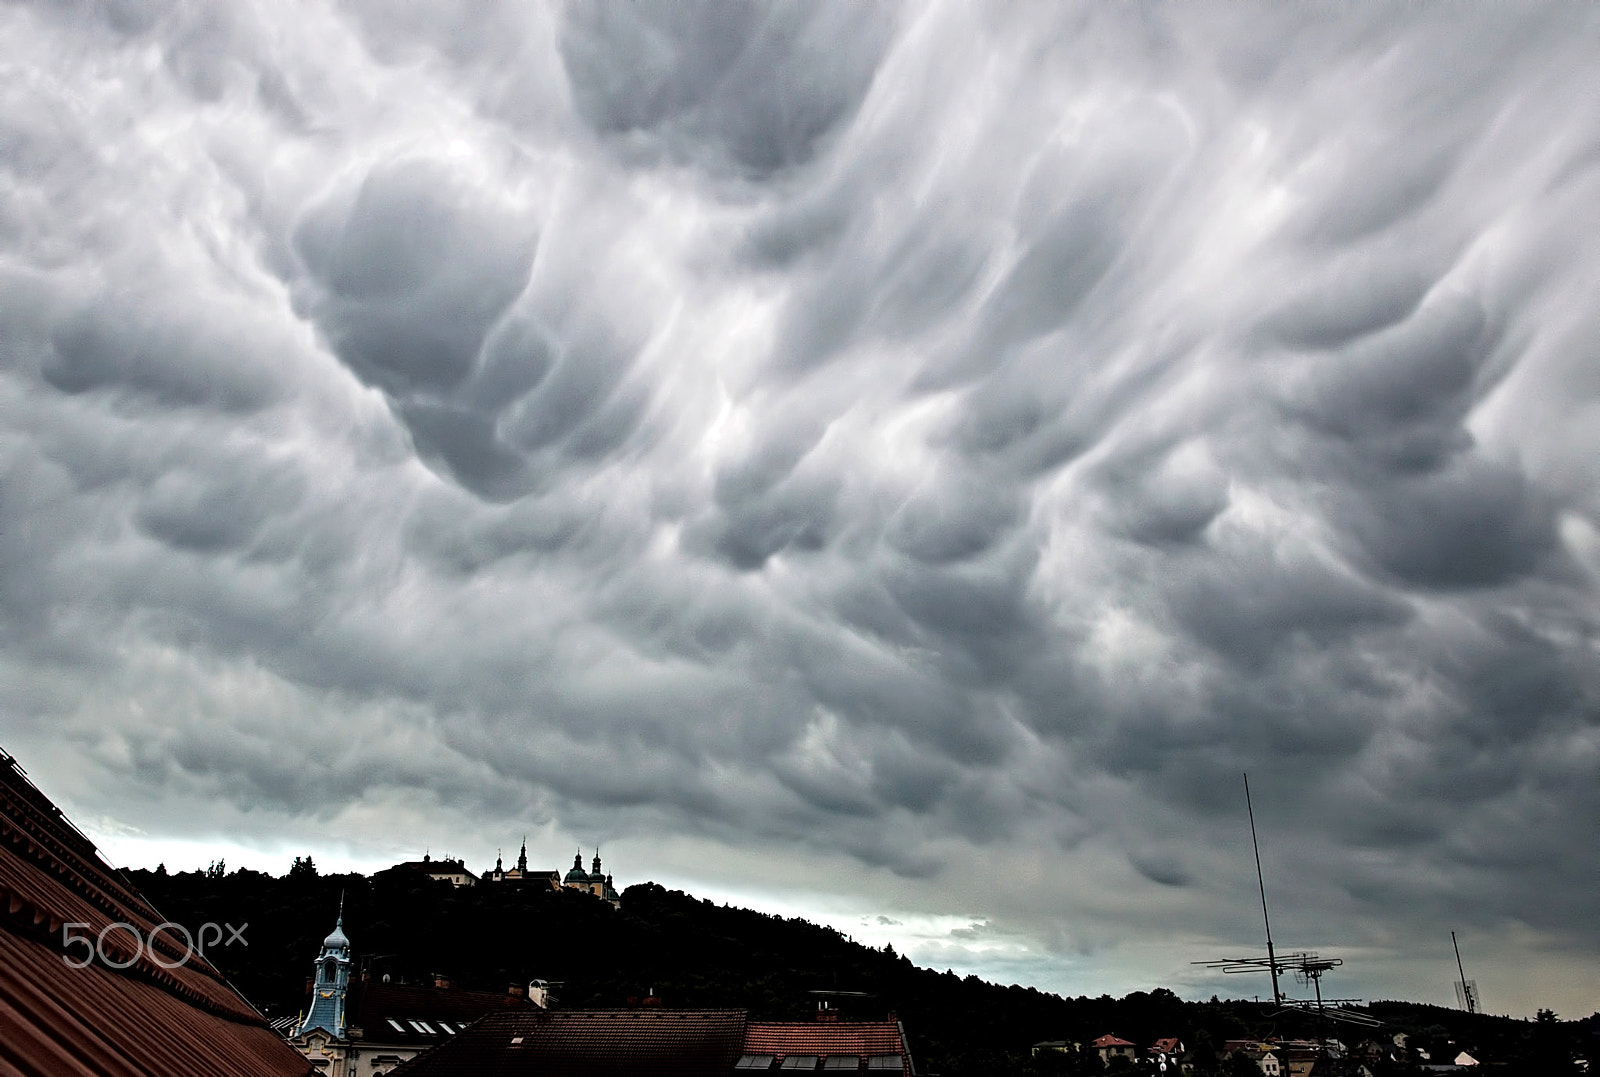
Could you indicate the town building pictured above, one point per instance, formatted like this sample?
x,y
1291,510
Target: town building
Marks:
x,y
644,1042
365,1027
93,981
649,1041
1110,1047
1166,1054
838,1048
1266,1056
1060,1046
450,870
520,875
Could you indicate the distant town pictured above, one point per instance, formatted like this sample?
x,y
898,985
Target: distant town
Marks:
x,y
428,968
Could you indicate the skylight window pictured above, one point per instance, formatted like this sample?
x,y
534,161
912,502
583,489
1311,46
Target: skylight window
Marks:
x,y
753,1062
842,1062
396,1025
799,1062
880,1063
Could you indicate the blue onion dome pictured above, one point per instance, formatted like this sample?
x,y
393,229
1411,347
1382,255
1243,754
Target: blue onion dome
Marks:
x,y
337,940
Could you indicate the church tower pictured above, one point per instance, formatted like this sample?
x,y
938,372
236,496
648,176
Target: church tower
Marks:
x,y
333,981
522,859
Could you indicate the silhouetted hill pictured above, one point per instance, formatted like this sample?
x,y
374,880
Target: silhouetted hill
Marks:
x,y
694,953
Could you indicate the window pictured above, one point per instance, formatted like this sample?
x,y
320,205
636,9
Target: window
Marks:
x,y
396,1025
880,1063
753,1062
421,1026
848,1063
799,1062
448,1031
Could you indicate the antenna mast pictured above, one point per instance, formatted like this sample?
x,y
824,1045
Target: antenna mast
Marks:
x,y
1469,991
1272,958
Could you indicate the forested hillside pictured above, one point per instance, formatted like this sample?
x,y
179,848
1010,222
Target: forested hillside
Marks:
x,y
695,953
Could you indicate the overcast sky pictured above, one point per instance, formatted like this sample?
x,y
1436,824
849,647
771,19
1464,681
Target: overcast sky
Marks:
x,y
898,465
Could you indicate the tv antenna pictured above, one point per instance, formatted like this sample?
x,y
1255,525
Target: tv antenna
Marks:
x,y
1466,990
1307,966
1261,884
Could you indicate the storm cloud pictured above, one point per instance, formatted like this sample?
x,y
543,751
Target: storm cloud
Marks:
x,y
939,445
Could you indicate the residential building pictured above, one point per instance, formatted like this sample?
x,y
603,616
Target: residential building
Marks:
x,y
368,1027
1167,1054
89,987
648,1041
1265,1055
643,1042
1064,1046
838,1048
1110,1047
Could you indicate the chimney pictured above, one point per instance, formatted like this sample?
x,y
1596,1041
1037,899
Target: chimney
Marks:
x,y
517,991
441,981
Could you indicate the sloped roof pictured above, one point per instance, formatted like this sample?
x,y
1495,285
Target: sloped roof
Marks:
x,y
376,1008
589,1043
1109,1040
828,1039
99,1020
437,867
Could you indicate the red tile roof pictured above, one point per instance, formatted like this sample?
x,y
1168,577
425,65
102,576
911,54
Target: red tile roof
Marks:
x,y
863,1039
372,1005
145,1018
589,1043
1109,1040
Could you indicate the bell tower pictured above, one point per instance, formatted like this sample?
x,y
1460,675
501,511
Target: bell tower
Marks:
x,y
332,983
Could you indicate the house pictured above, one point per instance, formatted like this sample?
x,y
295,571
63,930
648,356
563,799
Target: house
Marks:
x,y
838,1048
649,1041
1268,1057
368,1027
1064,1046
1265,1056
1166,1053
1111,1047
450,870
642,1042
93,981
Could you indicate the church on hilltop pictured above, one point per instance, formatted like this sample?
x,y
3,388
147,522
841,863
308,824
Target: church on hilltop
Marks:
x,y
520,875
453,871
594,882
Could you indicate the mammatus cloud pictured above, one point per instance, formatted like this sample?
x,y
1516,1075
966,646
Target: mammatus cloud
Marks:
x,y
942,446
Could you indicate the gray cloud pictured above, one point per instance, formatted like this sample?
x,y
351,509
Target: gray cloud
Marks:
x,y
931,445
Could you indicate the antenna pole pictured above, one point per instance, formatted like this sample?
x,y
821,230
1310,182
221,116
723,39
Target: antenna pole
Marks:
x,y
1466,992
1272,957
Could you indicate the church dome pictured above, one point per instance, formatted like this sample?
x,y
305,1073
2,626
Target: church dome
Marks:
x,y
337,940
